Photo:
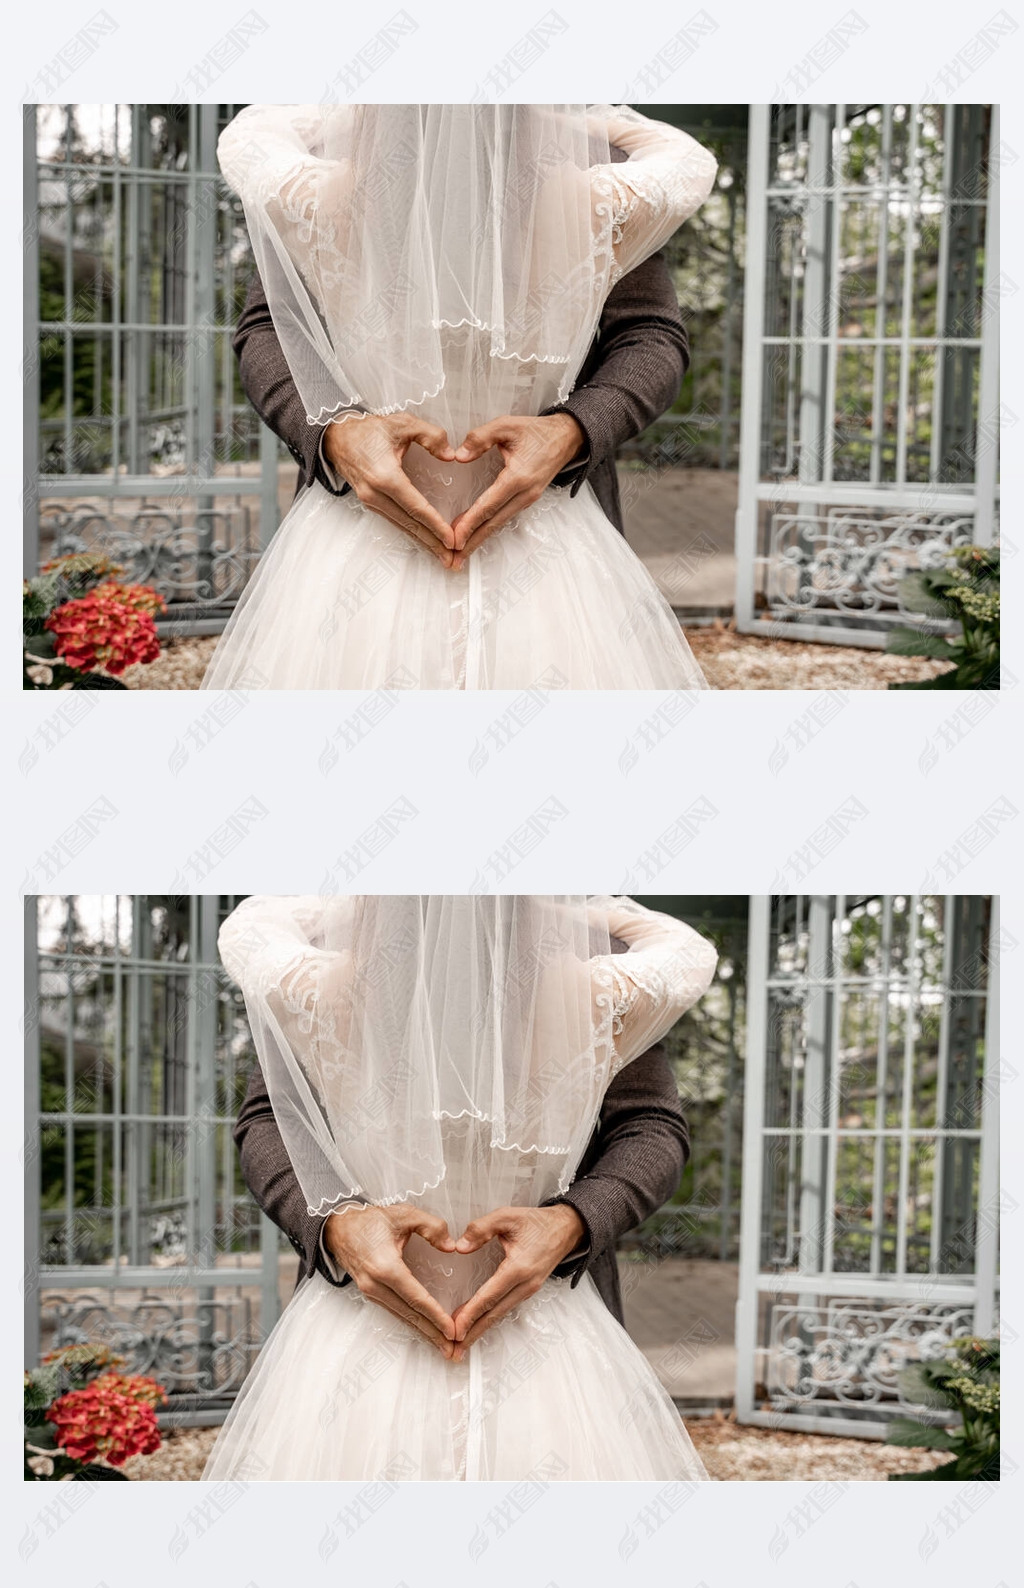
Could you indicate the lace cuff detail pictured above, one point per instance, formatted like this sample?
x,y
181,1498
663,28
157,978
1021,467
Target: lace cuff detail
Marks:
x,y
643,992
666,178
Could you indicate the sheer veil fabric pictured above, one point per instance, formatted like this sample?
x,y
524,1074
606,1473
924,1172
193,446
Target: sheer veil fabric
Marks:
x,y
450,261
451,1052
381,231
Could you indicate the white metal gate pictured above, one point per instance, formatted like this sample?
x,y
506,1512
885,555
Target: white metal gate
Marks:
x,y
870,1175
139,1231
870,408
138,441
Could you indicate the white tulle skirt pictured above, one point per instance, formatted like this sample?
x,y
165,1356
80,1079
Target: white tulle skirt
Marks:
x,y
555,1390
555,600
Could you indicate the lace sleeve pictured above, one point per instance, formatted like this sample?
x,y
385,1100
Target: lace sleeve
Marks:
x,y
268,156
298,210
264,935
667,968
667,177
268,948
298,997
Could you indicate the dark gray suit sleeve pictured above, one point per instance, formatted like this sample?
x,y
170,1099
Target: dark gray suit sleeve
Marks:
x,y
267,1171
634,373
632,1166
268,384
634,1163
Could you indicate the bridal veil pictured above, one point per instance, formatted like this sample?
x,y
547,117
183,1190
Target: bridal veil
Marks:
x,y
453,1049
429,254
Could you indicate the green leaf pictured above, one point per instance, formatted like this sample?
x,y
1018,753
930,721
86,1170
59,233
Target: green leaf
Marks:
x,y
950,680
917,642
93,1470
920,1384
40,597
912,1435
42,1387
917,593
62,1467
61,674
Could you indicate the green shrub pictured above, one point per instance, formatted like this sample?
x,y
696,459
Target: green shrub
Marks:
x,y
964,1383
964,589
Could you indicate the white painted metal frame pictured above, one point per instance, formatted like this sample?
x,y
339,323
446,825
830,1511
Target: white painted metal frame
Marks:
x,y
847,513
818,1283
171,529
209,1169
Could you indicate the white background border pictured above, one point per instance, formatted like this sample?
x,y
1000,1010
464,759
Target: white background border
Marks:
x,y
891,792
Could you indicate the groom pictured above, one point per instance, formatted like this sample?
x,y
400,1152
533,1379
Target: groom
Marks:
x,y
631,374
632,1165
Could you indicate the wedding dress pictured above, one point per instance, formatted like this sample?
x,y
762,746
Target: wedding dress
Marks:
x,y
453,1053
451,262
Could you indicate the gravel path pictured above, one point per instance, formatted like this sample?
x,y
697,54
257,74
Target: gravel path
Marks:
x,y
180,665
729,661
764,1455
727,1450
746,661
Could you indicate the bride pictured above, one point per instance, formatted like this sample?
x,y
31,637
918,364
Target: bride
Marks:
x,y
450,263
451,1052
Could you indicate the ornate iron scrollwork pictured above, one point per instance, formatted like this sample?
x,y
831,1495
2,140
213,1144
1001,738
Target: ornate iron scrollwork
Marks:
x,y
850,560
850,1352
193,1347
205,560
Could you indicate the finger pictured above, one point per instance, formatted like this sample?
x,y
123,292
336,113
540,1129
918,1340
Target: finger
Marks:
x,y
387,1293
479,1231
382,1297
422,537
505,1277
384,507
408,1289
398,488
481,440
432,1228
508,484
434,439
517,504
513,1298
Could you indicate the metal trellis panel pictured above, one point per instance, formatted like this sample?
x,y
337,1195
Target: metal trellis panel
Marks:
x,y
139,443
866,1237
870,419
139,1232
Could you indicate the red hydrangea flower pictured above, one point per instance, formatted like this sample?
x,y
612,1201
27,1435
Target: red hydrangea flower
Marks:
x,y
111,1419
112,627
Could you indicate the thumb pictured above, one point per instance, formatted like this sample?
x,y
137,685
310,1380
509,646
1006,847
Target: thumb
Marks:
x,y
481,440
479,1231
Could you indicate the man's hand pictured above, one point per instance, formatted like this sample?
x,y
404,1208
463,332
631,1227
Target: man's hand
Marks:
x,y
369,1243
534,451
369,452
535,1240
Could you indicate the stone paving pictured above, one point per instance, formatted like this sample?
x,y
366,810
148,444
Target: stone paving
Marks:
x,y
681,523
681,1312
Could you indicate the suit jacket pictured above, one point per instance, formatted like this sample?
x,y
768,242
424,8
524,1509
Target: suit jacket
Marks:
x,y
633,1163
632,373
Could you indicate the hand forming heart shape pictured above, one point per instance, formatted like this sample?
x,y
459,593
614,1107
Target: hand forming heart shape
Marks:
x,y
370,1242
370,453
